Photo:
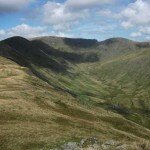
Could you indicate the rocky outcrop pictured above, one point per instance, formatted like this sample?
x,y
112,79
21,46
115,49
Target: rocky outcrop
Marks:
x,y
93,144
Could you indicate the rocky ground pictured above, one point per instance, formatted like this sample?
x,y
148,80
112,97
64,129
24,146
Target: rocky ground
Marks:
x,y
94,144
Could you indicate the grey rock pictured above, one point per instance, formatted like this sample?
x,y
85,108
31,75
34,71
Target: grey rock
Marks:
x,y
78,148
70,146
111,142
82,142
94,147
88,142
122,147
93,144
105,147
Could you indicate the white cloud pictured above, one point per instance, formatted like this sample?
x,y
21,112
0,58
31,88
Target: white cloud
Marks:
x,y
145,29
56,14
85,4
148,38
27,31
135,34
126,24
105,12
62,16
2,32
23,30
13,5
136,14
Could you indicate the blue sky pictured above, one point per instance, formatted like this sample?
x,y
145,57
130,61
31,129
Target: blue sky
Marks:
x,y
100,19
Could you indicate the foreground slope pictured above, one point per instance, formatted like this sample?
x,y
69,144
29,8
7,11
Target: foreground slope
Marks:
x,y
47,98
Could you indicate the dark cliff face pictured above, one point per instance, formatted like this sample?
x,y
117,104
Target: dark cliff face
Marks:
x,y
25,53
81,43
36,52
75,57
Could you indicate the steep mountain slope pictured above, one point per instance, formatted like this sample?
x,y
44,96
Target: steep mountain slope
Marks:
x,y
50,95
120,78
22,50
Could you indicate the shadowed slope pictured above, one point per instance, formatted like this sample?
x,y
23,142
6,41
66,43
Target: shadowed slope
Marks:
x,y
21,50
70,56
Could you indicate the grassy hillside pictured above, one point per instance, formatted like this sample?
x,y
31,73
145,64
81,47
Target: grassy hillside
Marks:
x,y
120,78
47,98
